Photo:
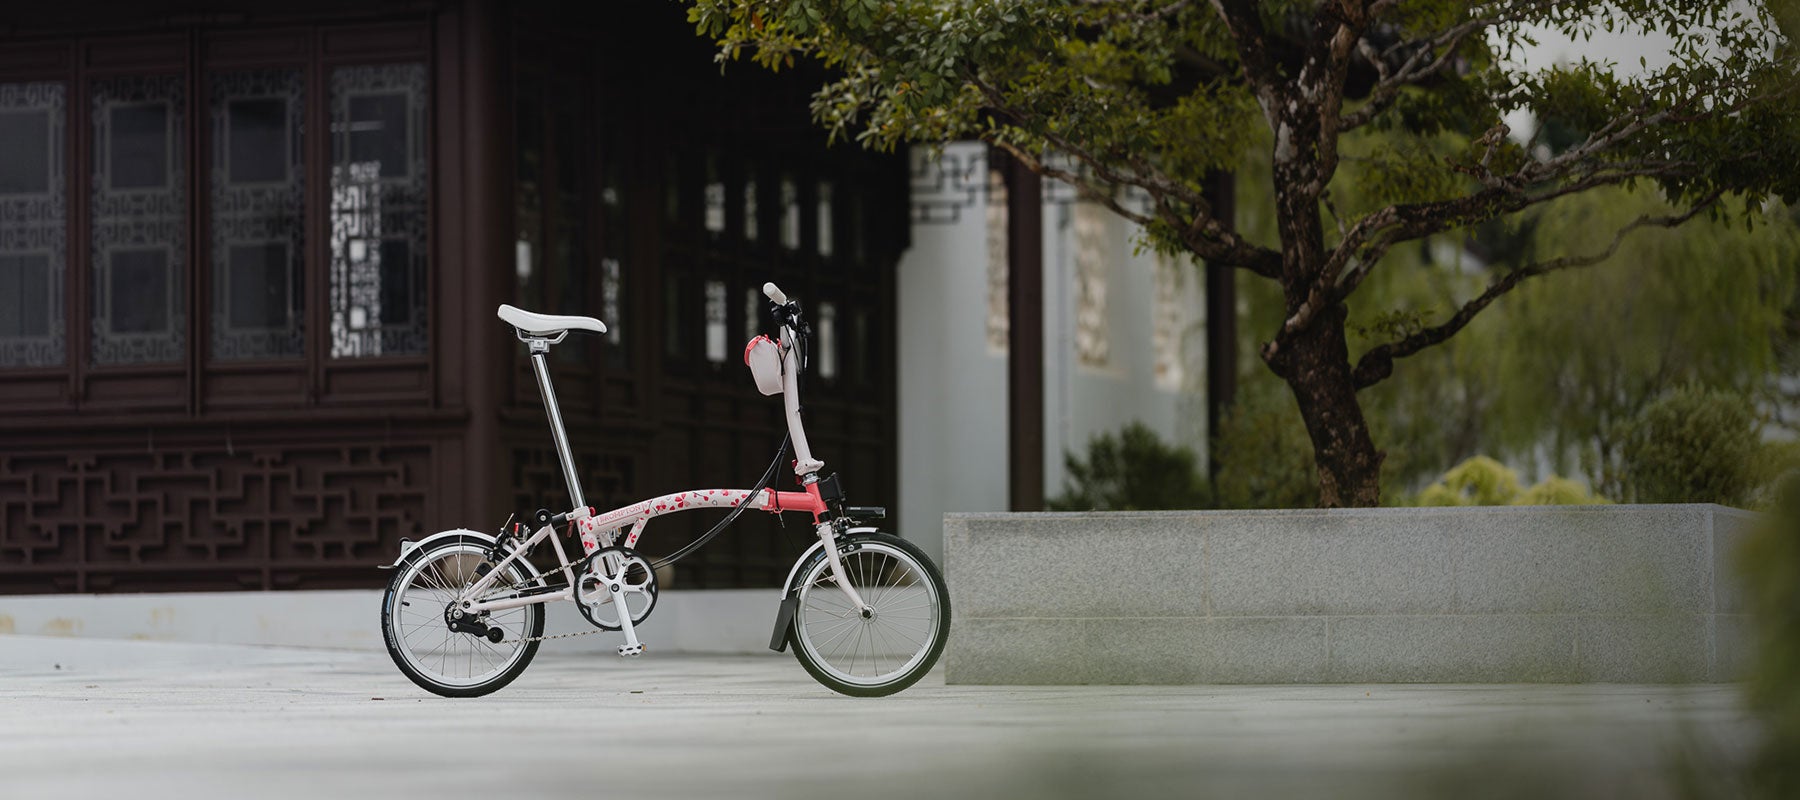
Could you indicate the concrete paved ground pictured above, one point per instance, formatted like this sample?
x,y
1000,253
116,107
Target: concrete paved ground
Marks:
x,y
89,718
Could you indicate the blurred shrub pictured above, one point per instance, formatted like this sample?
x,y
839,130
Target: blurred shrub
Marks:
x,y
1482,481
1133,471
1559,491
1692,445
1770,471
1479,481
1265,456
1770,563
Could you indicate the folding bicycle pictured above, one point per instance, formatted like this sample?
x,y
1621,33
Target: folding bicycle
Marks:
x,y
867,612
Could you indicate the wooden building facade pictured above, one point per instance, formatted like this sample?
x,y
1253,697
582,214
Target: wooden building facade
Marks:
x,y
249,261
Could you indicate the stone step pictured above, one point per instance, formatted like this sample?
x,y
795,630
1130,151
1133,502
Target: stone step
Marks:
x,y
1626,594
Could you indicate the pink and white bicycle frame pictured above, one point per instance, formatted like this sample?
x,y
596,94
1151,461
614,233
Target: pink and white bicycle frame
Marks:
x,y
625,526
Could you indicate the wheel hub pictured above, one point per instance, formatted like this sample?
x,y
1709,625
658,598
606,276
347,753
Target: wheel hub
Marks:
x,y
459,622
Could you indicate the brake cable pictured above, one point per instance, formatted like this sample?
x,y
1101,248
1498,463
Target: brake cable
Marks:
x,y
736,510
801,333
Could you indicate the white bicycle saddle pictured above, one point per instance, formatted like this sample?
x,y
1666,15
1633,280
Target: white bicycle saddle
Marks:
x,y
547,324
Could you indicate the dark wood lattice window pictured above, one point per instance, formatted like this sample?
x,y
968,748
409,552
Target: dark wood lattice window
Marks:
x,y
377,216
184,215
257,181
33,224
277,295
137,220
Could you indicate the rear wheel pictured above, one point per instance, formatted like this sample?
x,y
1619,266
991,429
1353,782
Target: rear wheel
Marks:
x,y
457,657
886,647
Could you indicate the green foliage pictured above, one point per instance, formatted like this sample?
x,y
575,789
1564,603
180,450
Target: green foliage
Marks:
x,y
1482,481
1580,353
1692,445
1133,471
1773,466
1479,481
1559,491
1158,88
1154,95
923,71
1402,168
1265,457
1555,368
1770,564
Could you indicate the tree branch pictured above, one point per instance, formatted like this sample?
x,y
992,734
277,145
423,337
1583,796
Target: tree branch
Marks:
x,y
1141,178
1487,205
1252,42
1425,61
1203,234
1378,363
1211,240
1156,15
1503,195
1415,69
1338,278
1346,23
1082,187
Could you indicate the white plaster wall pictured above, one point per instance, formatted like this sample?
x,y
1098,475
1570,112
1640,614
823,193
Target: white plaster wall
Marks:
x,y
953,424
1083,401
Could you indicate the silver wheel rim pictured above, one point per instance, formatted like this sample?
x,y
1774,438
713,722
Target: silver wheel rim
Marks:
x,y
885,647
427,643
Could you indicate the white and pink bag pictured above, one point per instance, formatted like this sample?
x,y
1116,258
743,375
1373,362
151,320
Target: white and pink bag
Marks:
x,y
763,356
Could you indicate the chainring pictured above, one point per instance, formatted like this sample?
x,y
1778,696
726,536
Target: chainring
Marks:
x,y
592,597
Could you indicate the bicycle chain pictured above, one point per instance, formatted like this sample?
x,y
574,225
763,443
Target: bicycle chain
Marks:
x,y
530,639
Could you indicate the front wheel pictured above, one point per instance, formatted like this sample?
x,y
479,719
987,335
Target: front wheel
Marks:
x,y
886,647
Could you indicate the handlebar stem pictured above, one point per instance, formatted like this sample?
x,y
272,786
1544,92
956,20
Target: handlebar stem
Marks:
x,y
804,463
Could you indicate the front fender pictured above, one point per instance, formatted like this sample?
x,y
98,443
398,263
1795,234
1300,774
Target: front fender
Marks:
x,y
788,588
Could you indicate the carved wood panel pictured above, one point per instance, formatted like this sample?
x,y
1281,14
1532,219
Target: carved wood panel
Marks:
x,y
319,516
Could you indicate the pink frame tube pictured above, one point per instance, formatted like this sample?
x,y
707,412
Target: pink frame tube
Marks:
x,y
636,514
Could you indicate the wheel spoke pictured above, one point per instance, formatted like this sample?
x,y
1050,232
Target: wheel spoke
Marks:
x,y
839,639
827,631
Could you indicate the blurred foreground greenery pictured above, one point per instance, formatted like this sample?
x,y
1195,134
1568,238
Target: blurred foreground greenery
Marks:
x,y
1770,562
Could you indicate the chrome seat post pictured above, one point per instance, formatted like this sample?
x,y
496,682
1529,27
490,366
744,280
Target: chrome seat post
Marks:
x,y
539,348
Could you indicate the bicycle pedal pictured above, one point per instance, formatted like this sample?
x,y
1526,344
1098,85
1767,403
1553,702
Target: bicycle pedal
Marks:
x,y
631,650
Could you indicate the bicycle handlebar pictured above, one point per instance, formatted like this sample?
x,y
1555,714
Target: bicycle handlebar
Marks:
x,y
775,294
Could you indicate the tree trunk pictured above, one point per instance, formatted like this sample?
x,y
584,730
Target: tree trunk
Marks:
x,y
1311,353
1316,366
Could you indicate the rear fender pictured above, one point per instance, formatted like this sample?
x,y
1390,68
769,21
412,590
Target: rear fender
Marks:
x,y
409,548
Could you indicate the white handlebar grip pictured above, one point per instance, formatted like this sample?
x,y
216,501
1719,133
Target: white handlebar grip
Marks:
x,y
775,295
